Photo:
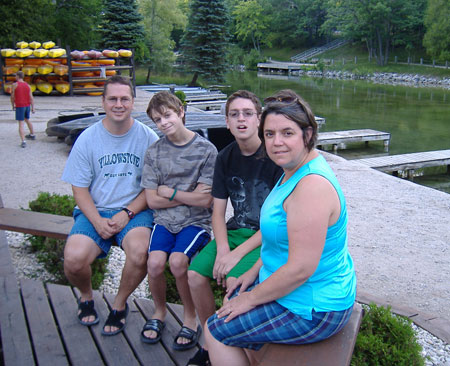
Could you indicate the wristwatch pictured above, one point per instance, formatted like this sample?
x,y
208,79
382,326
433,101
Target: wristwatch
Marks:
x,y
130,213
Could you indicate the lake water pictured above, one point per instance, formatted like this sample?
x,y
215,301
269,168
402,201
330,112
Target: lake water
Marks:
x,y
418,119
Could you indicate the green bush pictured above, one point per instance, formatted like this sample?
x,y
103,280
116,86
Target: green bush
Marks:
x,y
51,251
385,339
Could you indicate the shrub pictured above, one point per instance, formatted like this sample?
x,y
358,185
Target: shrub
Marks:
x,y
51,251
385,339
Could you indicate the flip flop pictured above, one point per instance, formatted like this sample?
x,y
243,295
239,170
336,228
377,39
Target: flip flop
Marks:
x,y
115,318
157,326
187,333
86,308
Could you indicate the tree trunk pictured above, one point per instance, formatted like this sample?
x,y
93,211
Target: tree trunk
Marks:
x,y
194,80
380,59
147,79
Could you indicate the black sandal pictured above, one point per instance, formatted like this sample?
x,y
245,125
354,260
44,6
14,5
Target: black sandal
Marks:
x,y
115,318
157,326
187,333
85,309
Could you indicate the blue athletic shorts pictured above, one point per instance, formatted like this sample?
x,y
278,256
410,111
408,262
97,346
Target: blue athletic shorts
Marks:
x,y
83,226
22,113
189,240
273,323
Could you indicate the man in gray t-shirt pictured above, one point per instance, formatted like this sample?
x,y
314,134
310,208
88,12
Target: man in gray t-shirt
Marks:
x,y
177,178
104,169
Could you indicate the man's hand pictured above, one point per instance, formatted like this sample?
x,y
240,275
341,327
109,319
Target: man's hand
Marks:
x,y
119,221
105,227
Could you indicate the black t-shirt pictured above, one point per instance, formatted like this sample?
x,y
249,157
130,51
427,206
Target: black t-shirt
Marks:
x,y
246,180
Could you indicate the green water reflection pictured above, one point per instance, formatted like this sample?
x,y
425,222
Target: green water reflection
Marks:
x,y
418,119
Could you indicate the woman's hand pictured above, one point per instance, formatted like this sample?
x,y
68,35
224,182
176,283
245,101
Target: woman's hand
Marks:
x,y
236,306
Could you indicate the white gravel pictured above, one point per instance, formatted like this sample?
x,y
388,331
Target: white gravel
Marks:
x,y
399,231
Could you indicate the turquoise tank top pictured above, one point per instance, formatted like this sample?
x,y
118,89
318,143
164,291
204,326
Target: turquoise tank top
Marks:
x,y
332,287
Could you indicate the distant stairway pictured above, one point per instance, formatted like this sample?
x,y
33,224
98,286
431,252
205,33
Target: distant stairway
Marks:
x,y
301,57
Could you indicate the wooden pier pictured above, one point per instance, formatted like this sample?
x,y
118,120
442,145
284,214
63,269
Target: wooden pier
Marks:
x,y
340,138
408,162
281,67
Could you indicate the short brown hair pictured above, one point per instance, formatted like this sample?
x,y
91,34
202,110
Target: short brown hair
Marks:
x,y
20,74
293,107
118,79
165,99
245,94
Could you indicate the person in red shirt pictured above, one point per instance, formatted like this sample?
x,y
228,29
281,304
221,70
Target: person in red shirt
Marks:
x,y
21,101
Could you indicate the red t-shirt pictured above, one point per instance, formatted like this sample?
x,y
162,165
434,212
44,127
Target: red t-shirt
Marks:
x,y
22,94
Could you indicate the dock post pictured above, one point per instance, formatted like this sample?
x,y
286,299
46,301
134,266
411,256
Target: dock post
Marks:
x,y
386,145
410,174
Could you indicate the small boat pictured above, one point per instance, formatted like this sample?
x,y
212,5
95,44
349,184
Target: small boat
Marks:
x,y
63,87
34,44
8,52
110,53
24,52
125,53
45,69
29,70
94,54
45,87
22,44
106,61
49,44
32,87
56,52
10,70
61,69
40,52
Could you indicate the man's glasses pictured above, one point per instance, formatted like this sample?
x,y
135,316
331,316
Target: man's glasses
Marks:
x,y
245,113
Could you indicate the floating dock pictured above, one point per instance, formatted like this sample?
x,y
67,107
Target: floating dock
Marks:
x,y
408,162
340,138
281,67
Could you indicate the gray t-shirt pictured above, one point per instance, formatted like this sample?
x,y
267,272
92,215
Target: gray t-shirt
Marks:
x,y
110,165
181,167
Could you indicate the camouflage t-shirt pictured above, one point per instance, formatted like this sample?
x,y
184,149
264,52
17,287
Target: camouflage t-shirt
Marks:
x,y
180,167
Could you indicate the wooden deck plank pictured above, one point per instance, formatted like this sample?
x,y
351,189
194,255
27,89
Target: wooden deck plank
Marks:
x,y
392,163
77,338
46,341
134,324
29,222
13,327
351,136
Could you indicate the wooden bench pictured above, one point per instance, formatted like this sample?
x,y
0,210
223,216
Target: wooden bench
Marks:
x,y
335,351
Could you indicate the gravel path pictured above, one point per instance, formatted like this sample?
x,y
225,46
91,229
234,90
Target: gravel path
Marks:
x,y
399,231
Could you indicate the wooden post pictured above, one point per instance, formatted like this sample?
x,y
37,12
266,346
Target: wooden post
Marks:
x,y
421,61
395,59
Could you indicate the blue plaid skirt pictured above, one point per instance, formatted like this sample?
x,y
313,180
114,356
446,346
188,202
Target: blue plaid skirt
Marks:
x,y
273,323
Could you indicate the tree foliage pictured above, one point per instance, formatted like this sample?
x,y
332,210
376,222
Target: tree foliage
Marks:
x,y
205,41
121,25
381,24
161,17
437,36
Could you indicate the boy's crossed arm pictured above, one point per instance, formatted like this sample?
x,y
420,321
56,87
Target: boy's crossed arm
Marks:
x,y
166,197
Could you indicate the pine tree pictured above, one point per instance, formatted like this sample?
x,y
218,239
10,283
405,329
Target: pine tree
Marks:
x,y
121,25
205,41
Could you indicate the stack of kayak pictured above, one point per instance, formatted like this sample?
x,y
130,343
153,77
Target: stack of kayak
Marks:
x,y
46,67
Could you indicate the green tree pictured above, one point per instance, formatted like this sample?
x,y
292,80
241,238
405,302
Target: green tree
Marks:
x,y
205,41
26,20
161,17
121,25
437,36
252,22
381,24
76,22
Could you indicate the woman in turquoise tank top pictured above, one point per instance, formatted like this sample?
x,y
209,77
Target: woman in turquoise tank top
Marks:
x,y
303,287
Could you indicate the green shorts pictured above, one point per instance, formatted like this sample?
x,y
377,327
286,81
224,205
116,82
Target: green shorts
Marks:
x,y
203,263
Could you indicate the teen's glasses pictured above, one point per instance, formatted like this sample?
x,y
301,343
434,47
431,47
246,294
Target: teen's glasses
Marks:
x,y
246,113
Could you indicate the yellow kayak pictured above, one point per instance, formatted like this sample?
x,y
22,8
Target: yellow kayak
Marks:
x,y
24,52
40,52
8,52
125,53
9,70
110,53
22,44
8,87
45,87
62,87
29,69
32,87
56,52
34,44
45,69
61,69
49,44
